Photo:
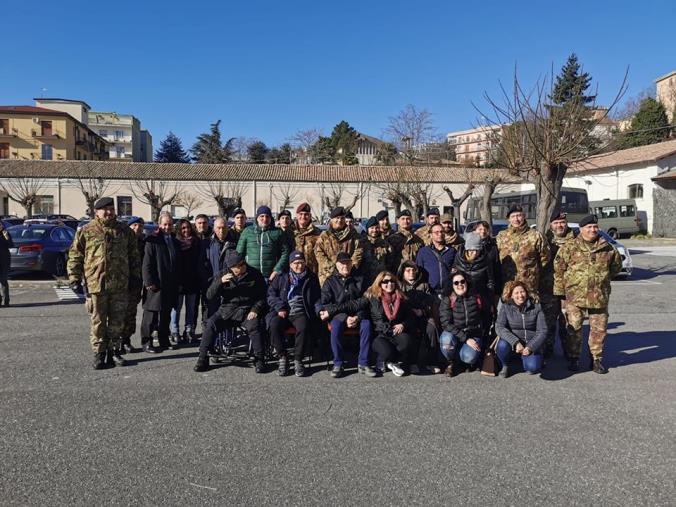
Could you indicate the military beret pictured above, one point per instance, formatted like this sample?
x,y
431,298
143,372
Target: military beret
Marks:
x,y
296,255
558,215
343,257
136,220
514,208
338,212
589,219
238,211
349,215
404,213
104,202
432,212
303,207
446,217
371,222
284,213
382,215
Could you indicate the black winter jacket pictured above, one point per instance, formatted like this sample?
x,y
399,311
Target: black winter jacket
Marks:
x,y
159,270
479,272
525,325
464,316
278,295
490,248
338,290
189,269
419,293
239,296
373,307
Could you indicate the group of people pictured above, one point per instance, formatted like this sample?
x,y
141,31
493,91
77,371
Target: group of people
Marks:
x,y
412,301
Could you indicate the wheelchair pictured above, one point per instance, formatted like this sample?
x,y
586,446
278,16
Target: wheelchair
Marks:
x,y
231,345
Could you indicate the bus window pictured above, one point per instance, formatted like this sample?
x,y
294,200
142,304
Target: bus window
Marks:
x,y
627,210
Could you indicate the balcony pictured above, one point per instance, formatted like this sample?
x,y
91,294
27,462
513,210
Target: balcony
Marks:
x,y
38,134
7,133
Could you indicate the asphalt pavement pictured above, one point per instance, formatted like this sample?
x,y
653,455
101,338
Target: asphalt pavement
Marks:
x,y
156,433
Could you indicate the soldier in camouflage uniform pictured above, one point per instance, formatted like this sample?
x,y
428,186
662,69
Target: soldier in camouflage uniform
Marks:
x,y
337,238
424,232
376,252
452,237
523,252
135,292
384,223
306,235
558,235
104,255
405,245
583,269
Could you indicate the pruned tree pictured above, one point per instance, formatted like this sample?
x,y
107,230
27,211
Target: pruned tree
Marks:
x,y
410,129
286,195
545,132
92,189
227,195
335,193
157,193
189,201
457,201
24,191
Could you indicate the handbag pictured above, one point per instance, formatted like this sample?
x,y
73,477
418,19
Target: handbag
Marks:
x,y
489,366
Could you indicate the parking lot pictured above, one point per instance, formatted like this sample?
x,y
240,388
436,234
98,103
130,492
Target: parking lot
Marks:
x,y
155,432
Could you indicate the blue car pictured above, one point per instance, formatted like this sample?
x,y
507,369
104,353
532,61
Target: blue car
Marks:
x,y
40,247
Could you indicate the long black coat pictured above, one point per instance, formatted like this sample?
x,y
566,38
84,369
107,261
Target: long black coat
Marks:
x,y
188,269
5,245
159,270
278,295
481,273
239,296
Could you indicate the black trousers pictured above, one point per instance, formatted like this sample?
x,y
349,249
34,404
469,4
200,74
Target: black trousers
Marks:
x,y
156,320
4,285
215,324
394,348
428,342
278,339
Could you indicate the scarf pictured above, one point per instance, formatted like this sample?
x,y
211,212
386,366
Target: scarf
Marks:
x,y
295,280
391,303
186,243
342,234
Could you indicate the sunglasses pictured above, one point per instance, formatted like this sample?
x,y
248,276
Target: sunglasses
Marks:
x,y
386,282
459,282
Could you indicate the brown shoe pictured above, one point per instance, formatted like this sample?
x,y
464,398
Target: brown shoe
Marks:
x,y
450,370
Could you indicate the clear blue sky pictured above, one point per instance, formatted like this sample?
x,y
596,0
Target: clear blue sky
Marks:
x,y
270,68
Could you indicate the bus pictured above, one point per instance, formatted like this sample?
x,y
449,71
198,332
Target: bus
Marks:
x,y
574,203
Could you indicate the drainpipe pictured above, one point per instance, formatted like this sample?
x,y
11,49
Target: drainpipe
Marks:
x,y
58,186
255,195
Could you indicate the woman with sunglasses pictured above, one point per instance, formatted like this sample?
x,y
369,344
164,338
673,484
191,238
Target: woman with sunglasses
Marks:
x,y
522,329
463,315
187,262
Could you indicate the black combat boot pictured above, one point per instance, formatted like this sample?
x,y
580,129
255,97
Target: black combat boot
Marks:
x,y
117,358
259,365
110,361
573,364
202,364
597,367
99,360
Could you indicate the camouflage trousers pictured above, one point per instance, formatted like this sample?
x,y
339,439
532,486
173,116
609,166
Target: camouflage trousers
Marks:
x,y
554,317
133,299
107,311
598,325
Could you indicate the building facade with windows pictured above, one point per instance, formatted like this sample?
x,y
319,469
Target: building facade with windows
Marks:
x,y
476,146
40,133
126,140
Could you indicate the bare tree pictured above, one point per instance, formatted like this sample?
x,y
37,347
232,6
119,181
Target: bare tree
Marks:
x,y
303,141
632,104
227,195
335,192
457,202
541,140
189,201
156,193
24,191
240,147
92,189
409,130
286,195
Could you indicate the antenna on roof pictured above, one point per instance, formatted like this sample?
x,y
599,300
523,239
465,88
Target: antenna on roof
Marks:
x,y
42,94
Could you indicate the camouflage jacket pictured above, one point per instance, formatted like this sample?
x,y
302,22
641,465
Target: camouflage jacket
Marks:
x,y
305,241
583,270
454,240
523,254
330,243
405,247
425,234
376,257
105,257
547,275
387,233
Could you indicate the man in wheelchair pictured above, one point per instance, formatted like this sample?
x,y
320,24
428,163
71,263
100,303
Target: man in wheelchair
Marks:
x,y
241,290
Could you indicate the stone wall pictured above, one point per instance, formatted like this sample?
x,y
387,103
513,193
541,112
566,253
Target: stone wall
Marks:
x,y
664,221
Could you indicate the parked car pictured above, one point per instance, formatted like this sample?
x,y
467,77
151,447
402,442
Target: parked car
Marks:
x,y
498,225
10,220
67,220
40,247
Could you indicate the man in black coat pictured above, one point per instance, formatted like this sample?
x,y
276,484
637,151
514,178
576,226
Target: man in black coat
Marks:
x,y
241,290
5,261
161,285
294,301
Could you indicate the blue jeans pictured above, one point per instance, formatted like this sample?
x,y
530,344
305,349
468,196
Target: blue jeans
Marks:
x,y
532,363
448,343
338,327
190,308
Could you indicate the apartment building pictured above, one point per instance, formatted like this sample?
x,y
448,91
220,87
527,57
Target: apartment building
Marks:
x,y
126,139
475,146
666,93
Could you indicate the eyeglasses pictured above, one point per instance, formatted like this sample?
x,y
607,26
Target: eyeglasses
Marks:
x,y
386,282
459,282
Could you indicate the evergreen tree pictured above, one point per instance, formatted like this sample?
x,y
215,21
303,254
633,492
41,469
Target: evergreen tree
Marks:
x,y
571,84
323,151
171,150
344,140
257,152
281,155
649,126
208,148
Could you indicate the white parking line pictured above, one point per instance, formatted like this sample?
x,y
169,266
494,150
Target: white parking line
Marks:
x,y
634,282
67,294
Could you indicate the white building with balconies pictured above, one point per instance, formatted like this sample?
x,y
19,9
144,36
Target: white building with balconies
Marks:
x,y
124,135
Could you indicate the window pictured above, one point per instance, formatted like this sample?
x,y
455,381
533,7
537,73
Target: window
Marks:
x,y
4,150
59,234
4,127
44,205
120,151
635,191
606,211
124,205
627,210
103,133
46,152
46,128
119,135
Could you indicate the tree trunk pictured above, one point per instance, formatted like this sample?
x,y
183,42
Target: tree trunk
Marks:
x,y
548,189
29,209
90,207
486,210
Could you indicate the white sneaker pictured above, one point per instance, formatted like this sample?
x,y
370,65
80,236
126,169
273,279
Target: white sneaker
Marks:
x,y
396,369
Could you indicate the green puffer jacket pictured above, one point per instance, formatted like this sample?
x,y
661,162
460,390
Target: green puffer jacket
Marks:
x,y
266,250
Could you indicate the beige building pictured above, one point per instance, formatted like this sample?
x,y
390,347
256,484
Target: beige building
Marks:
x,y
126,139
666,93
40,133
476,146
